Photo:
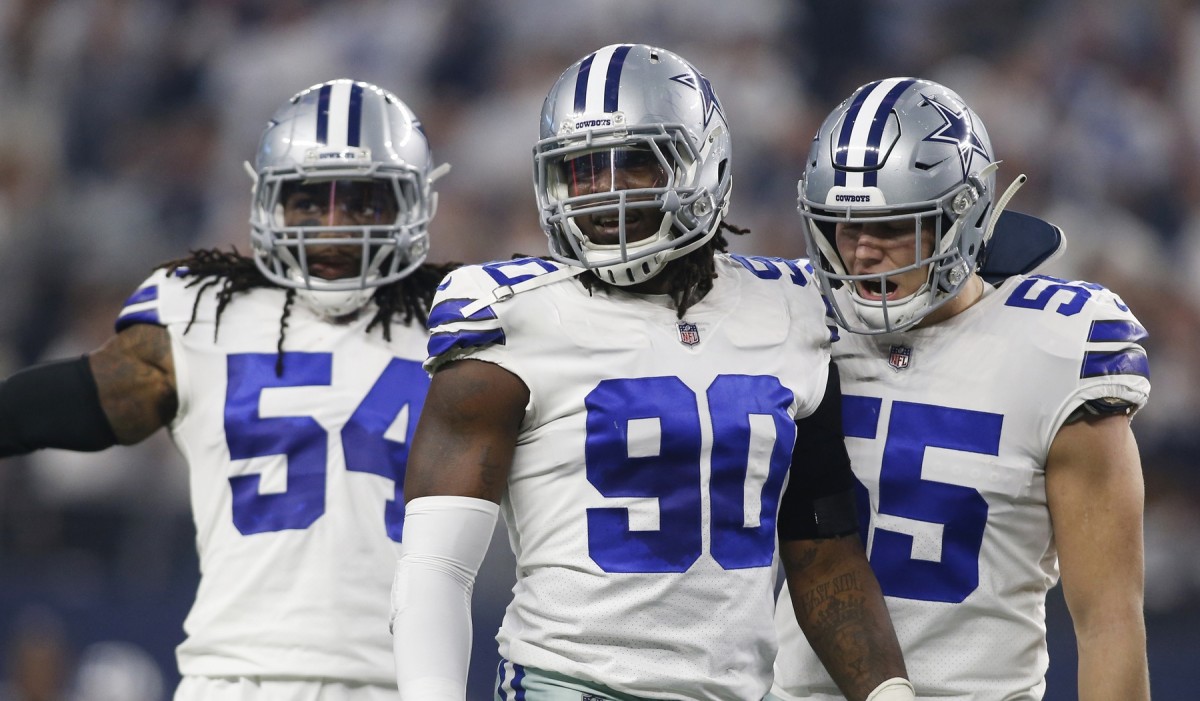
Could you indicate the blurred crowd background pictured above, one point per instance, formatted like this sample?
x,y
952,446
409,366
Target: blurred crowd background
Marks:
x,y
124,125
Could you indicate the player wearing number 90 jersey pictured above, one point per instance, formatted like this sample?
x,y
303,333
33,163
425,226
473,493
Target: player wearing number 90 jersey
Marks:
x,y
634,408
988,427
290,382
649,560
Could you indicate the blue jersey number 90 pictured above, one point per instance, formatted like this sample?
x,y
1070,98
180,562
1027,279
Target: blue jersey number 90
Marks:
x,y
401,385
671,471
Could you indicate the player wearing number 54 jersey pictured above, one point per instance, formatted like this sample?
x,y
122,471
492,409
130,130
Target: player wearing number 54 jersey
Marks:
x,y
291,383
988,426
650,414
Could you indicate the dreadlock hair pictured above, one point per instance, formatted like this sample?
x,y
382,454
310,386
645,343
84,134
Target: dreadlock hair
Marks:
x,y
409,298
691,277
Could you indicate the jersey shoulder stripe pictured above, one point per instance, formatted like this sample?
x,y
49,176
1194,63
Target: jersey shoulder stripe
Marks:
x,y
170,297
1113,349
140,308
159,300
1092,323
464,315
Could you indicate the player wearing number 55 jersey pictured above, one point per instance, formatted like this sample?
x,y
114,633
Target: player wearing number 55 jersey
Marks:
x,y
291,383
634,408
988,427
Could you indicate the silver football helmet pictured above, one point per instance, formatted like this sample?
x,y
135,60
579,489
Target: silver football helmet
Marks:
x,y
631,133
900,149
342,195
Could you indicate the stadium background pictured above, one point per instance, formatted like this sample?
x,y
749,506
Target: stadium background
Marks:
x,y
124,124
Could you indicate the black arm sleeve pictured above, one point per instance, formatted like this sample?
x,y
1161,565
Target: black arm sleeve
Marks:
x,y
53,405
819,501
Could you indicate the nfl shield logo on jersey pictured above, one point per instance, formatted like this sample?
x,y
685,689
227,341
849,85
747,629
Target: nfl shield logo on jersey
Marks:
x,y
899,357
689,335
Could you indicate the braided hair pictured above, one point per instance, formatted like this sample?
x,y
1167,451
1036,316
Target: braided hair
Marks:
x,y
690,277
409,298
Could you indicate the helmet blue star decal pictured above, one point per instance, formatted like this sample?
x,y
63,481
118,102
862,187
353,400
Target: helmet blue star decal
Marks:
x,y
958,130
711,104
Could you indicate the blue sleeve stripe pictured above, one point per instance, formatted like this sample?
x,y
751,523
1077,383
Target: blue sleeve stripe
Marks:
x,y
1117,330
149,293
145,316
1131,361
439,343
450,311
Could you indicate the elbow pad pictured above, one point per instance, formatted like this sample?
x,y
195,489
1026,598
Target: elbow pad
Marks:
x,y
53,405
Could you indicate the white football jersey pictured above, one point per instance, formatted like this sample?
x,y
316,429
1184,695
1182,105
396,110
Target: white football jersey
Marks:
x,y
948,429
296,479
648,472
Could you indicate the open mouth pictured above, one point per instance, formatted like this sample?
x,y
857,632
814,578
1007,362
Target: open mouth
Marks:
x,y
332,268
606,228
875,290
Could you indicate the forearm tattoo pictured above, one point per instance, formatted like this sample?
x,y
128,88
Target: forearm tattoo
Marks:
x,y
848,626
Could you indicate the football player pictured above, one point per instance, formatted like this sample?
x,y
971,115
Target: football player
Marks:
x,y
634,405
291,382
988,427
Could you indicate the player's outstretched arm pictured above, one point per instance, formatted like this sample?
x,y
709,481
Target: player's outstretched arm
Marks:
x,y
120,393
457,473
840,608
1095,492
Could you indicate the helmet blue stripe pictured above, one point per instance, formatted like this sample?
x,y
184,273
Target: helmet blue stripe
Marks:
x,y
839,154
878,122
581,82
354,123
323,114
871,177
612,84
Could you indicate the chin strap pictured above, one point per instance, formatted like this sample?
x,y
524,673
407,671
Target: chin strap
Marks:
x,y
503,292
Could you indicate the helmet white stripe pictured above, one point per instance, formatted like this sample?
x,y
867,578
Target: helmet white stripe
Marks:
x,y
598,79
339,113
859,144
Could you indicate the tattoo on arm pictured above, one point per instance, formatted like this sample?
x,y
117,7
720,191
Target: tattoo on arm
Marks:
x,y
135,375
841,610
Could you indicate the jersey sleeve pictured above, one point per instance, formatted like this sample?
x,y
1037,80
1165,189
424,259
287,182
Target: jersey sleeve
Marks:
x,y
816,330
1111,361
463,321
163,299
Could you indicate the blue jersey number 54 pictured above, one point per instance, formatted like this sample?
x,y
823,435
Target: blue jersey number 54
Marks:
x,y
305,443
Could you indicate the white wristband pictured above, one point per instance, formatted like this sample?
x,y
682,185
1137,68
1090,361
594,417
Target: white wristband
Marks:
x,y
894,689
